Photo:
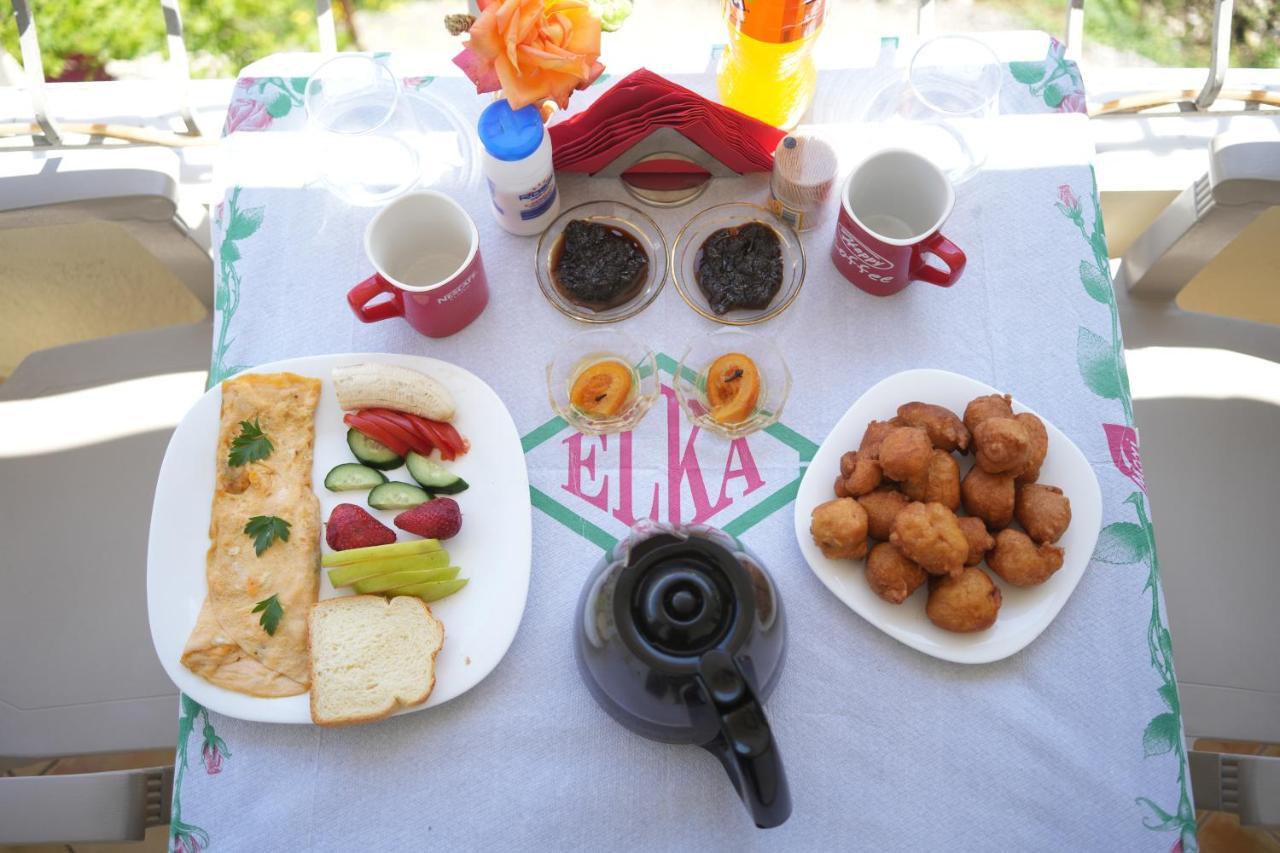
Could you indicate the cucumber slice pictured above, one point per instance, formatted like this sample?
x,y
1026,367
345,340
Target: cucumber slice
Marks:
x,y
409,548
431,590
349,574
433,476
397,496
372,453
394,580
350,477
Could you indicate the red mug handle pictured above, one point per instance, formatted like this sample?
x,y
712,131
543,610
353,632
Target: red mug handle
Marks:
x,y
950,254
364,292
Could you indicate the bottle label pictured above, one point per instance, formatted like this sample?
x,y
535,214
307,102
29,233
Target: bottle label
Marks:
x,y
527,205
776,21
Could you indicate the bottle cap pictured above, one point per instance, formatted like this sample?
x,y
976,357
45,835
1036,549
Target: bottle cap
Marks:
x,y
509,134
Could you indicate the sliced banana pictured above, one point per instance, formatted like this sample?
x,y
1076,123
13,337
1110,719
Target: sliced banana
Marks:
x,y
388,386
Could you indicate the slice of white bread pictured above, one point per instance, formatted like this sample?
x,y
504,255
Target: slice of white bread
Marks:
x,y
370,656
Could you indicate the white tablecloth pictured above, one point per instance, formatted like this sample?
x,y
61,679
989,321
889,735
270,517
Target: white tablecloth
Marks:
x,y
1074,743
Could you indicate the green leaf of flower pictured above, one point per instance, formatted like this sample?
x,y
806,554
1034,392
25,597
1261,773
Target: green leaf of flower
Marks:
x,y
1166,644
265,530
1027,72
251,445
1097,363
1169,693
228,252
1164,820
1095,283
271,612
244,223
299,84
280,105
1162,733
1122,544
1053,94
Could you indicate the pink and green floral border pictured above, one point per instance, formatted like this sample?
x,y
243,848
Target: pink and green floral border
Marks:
x,y
1131,541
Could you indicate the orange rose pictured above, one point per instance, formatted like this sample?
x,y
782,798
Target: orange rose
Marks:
x,y
533,50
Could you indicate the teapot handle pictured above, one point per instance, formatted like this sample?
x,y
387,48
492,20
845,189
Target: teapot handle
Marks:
x,y
745,744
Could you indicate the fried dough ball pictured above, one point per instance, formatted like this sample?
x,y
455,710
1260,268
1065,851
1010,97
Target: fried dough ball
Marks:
x,y
940,482
1043,511
840,528
990,406
980,541
839,489
1020,561
847,461
905,453
871,439
863,477
945,429
964,602
1037,448
988,496
930,535
882,506
1001,446
891,575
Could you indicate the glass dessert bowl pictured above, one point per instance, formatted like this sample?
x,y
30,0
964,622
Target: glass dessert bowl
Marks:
x,y
732,382
589,263
738,264
602,381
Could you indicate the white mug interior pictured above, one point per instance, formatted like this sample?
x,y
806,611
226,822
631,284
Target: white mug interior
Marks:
x,y
898,196
421,240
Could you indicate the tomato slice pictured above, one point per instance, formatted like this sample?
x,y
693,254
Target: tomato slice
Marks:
x,y
441,438
422,442
406,435
376,431
450,436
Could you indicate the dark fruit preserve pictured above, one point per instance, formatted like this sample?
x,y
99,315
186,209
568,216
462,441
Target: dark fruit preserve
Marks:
x,y
598,266
740,267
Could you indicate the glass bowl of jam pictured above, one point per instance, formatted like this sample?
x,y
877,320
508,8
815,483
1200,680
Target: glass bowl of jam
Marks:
x,y
738,264
602,381
732,382
601,262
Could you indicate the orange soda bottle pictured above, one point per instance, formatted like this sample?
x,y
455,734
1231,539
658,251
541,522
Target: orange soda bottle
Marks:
x,y
767,68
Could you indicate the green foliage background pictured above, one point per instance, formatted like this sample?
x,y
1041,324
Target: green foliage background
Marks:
x,y
225,35
232,33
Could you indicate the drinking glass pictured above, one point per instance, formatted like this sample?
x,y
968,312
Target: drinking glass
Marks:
x,y
942,109
366,149
955,86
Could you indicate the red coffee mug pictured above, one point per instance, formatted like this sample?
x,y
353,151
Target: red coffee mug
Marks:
x,y
426,251
891,209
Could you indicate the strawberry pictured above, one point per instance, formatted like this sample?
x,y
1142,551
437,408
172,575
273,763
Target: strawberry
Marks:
x,y
351,527
437,519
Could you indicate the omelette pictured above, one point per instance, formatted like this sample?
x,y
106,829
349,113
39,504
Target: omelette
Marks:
x,y
230,645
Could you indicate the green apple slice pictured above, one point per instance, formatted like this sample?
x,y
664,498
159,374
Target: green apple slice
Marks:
x,y
431,590
347,575
394,580
379,552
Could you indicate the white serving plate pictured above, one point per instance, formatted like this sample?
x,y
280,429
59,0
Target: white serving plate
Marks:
x,y
493,549
1025,612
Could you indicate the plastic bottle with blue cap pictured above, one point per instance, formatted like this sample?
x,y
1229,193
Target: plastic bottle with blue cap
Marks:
x,y
517,167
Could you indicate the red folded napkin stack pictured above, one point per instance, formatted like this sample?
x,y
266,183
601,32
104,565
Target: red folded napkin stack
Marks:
x,y
643,102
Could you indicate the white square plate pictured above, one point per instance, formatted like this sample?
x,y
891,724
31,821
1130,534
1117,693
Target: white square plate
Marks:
x,y
1025,611
493,549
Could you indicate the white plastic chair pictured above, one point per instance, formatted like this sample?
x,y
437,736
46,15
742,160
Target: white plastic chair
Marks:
x,y
83,429
1207,400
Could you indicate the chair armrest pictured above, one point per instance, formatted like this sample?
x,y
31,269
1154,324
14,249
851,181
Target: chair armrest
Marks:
x,y
1247,785
113,806
1243,180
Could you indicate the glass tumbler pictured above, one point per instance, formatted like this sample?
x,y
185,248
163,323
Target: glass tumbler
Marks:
x,y
366,146
953,91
